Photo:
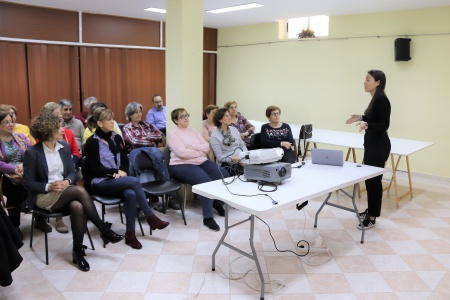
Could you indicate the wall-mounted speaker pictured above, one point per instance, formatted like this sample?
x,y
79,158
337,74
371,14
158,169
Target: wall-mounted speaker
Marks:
x,y
402,52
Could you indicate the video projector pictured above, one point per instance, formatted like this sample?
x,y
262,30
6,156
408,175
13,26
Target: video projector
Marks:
x,y
262,165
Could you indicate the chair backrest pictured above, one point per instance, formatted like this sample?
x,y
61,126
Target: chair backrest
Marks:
x,y
255,141
146,170
121,125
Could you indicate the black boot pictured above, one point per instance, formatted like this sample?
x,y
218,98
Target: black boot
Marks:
x,y
108,235
78,257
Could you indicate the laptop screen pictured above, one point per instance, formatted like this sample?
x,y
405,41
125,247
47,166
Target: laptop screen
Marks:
x,y
327,157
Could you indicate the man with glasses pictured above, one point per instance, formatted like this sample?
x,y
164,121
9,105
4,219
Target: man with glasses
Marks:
x,y
157,114
69,121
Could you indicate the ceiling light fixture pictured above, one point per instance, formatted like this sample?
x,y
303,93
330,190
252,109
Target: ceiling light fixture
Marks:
x,y
234,8
157,10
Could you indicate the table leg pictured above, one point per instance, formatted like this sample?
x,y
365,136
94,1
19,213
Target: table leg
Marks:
x,y
221,242
355,187
318,212
354,210
252,256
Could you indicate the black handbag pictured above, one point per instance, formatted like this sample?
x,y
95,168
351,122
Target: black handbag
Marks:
x,y
305,133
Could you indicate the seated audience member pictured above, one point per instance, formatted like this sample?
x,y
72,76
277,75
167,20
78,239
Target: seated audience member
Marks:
x,y
72,123
139,133
12,148
88,132
106,173
189,164
18,128
208,124
49,176
157,114
226,142
10,243
240,122
52,108
277,134
84,114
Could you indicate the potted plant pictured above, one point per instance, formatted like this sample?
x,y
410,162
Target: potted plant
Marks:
x,y
306,33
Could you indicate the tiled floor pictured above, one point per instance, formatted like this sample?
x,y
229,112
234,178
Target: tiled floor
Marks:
x,y
407,256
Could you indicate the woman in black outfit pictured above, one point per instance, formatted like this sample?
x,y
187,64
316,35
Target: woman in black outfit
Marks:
x,y
277,134
377,145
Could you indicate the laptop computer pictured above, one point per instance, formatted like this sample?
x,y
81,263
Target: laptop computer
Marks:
x,y
327,157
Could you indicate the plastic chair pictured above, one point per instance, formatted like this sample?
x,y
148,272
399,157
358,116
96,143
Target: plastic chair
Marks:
x,y
153,183
255,141
46,215
106,201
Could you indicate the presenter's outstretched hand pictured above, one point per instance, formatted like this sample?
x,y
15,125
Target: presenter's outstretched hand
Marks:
x,y
353,118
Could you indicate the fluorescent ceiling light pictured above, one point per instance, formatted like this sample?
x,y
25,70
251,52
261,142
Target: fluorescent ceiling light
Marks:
x,y
158,10
233,8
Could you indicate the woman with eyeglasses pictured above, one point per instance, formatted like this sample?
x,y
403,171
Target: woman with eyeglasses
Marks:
x,y
245,128
189,164
12,148
18,128
277,134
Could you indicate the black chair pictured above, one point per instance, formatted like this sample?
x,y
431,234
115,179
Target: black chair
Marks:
x,y
155,185
106,201
255,141
46,215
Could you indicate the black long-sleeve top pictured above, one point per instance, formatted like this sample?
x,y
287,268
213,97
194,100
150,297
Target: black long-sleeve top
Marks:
x,y
379,119
93,165
272,137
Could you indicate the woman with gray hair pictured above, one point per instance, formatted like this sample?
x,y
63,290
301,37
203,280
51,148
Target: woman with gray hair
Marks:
x,y
139,133
70,122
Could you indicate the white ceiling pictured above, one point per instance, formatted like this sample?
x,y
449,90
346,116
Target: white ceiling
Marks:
x,y
272,10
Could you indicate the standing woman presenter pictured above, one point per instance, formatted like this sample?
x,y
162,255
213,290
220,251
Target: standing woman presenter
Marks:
x,y
377,145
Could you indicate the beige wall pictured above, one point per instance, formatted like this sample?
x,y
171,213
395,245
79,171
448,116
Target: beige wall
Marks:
x,y
321,82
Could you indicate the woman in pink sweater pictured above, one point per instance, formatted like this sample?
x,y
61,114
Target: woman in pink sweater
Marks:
x,y
189,164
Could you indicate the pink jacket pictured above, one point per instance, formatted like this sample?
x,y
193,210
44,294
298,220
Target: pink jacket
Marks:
x,y
187,146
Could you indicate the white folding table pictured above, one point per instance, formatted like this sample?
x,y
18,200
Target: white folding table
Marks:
x,y
308,182
352,141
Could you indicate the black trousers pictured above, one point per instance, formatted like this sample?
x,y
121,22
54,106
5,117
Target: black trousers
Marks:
x,y
16,195
376,152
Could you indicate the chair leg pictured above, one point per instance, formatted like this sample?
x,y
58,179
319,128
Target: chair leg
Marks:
x,y
103,213
31,231
46,247
182,210
90,239
140,225
120,211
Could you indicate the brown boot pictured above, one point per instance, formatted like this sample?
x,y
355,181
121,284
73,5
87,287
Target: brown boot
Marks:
x,y
130,239
156,223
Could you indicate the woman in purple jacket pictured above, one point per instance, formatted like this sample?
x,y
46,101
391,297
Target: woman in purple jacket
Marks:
x,y
12,148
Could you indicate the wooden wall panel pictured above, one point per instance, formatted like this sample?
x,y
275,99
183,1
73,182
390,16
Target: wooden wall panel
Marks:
x,y
101,76
30,22
52,74
145,76
209,78
210,39
102,29
13,79
120,76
